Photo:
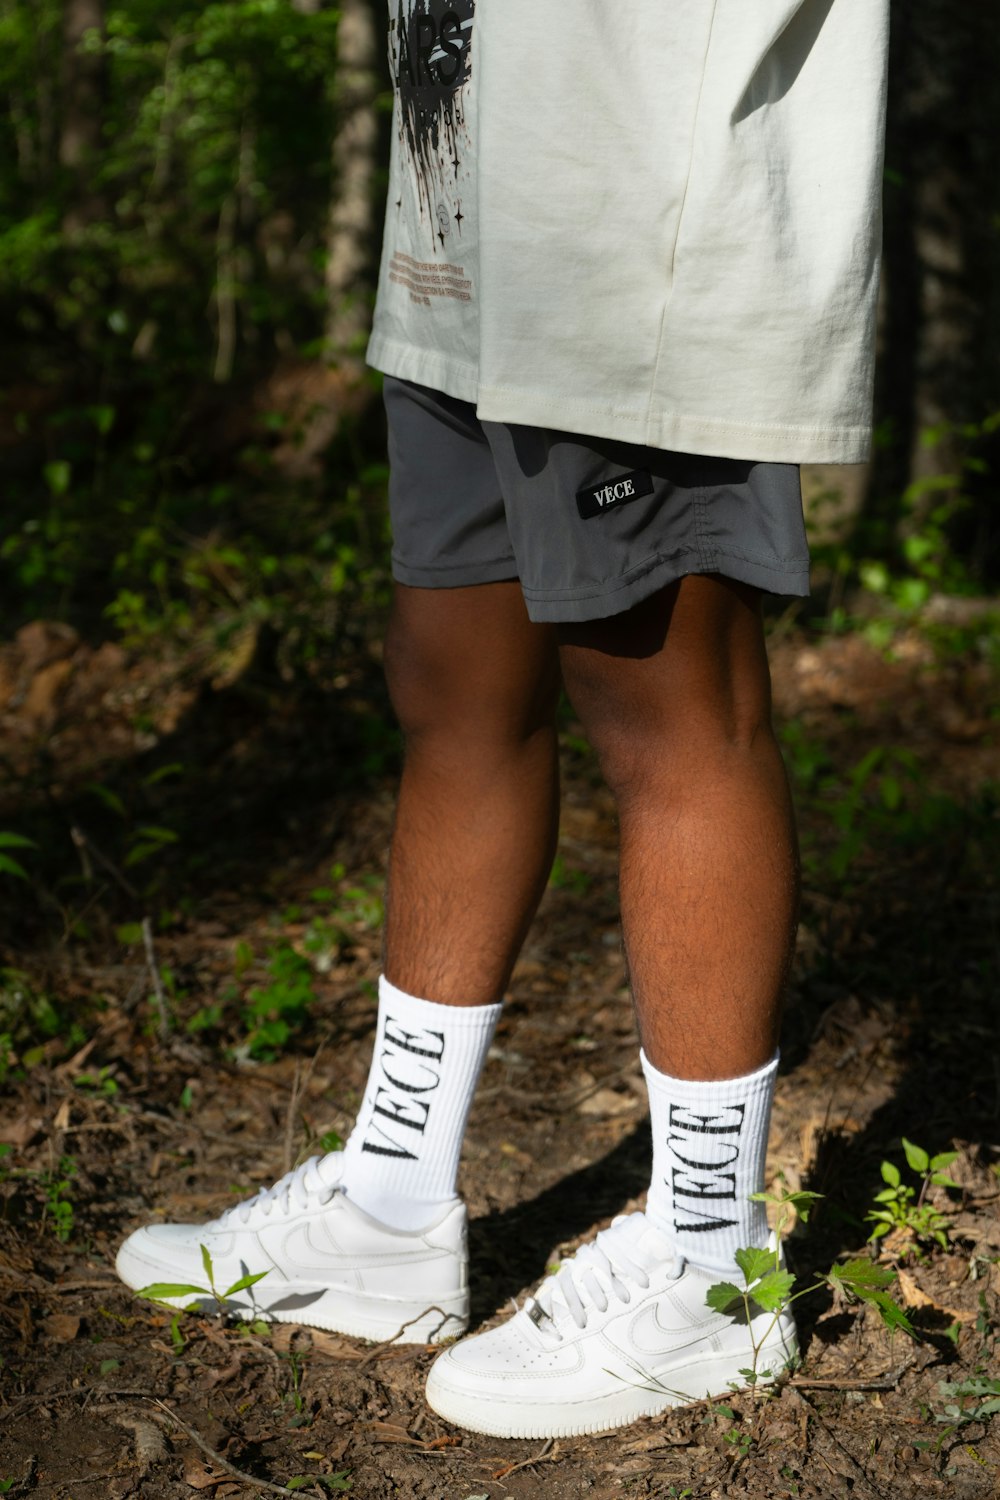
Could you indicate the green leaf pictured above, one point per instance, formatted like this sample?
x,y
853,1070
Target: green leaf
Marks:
x,y
158,1290
917,1158
771,1292
16,841
755,1263
108,797
977,1386
862,1273
10,866
723,1296
57,476
129,934
175,768
940,1180
890,1174
244,1282
206,1261
891,1313
943,1159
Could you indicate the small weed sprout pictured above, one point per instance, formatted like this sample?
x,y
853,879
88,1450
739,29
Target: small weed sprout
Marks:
x,y
768,1286
901,1206
341,1481
160,1291
9,865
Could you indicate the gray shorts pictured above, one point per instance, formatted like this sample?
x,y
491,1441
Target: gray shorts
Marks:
x,y
588,527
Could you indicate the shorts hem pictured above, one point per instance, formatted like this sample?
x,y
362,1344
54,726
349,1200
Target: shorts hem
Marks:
x,y
566,606
460,575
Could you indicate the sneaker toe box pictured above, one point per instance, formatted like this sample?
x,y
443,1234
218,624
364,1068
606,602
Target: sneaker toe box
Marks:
x,y
169,1253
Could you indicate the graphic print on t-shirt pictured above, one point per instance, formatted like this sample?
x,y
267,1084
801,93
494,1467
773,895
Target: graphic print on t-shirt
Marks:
x,y
430,47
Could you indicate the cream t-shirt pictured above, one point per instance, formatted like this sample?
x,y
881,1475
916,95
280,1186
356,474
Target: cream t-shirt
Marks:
x,y
656,221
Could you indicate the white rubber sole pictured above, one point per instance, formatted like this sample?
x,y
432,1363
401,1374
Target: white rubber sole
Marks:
x,y
497,1416
312,1305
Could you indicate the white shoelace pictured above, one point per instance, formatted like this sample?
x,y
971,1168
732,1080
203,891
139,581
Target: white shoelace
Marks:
x,y
317,1177
596,1273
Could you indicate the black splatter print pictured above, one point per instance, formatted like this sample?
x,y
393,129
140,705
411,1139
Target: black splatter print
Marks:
x,y
431,53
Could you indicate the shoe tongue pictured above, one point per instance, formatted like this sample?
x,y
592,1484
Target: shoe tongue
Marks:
x,y
326,1171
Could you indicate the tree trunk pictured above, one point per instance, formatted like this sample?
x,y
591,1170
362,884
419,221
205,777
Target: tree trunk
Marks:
x,y
352,225
82,84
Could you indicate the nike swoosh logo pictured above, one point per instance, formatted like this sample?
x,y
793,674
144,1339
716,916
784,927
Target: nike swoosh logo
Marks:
x,y
648,1333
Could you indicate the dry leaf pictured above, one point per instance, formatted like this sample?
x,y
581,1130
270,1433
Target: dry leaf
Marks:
x,y
911,1293
607,1102
389,1432
21,1133
333,1346
913,1296
63,1327
200,1476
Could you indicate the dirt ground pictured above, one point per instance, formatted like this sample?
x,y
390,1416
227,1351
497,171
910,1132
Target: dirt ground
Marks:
x,y
132,1090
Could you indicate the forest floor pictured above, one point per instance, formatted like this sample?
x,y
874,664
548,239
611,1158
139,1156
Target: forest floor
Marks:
x,y
145,1077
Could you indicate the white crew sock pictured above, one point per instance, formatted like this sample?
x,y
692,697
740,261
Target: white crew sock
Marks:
x,y
401,1161
709,1147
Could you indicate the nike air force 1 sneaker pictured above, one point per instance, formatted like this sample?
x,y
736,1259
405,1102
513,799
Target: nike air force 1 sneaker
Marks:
x,y
621,1331
328,1263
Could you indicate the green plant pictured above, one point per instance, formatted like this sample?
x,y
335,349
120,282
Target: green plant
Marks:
x,y
767,1286
9,866
564,878
177,1340
341,1481
352,908
101,1083
295,1370
58,1208
982,1393
159,1291
274,1010
901,1206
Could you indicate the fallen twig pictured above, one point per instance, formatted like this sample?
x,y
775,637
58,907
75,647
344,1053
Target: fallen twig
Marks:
x,y
158,990
379,1349
217,1458
545,1452
886,1383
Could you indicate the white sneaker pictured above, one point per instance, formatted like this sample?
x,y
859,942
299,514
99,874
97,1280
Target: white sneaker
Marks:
x,y
328,1263
621,1331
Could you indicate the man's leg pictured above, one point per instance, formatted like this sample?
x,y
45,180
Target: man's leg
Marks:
x,y
674,696
474,686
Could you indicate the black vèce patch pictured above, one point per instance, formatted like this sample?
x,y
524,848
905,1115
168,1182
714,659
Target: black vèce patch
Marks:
x,y
612,493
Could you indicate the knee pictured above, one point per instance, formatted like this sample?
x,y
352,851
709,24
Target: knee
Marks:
x,y
649,731
417,672
461,677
